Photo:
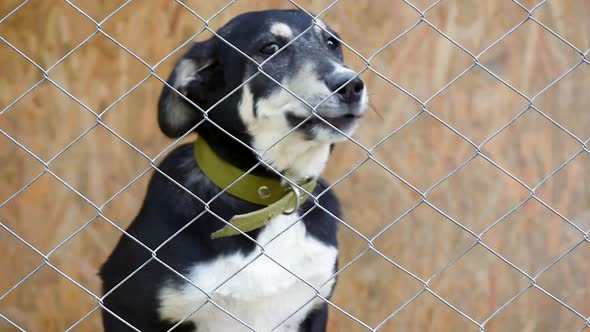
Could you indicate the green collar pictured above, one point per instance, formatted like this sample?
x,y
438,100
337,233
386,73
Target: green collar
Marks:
x,y
278,198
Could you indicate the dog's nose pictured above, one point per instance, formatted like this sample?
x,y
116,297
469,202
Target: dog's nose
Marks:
x,y
350,92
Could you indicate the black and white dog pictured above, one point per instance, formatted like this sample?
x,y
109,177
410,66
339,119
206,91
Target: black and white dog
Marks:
x,y
259,292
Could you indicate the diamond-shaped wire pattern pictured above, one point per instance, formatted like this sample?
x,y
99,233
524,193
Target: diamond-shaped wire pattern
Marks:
x,y
466,193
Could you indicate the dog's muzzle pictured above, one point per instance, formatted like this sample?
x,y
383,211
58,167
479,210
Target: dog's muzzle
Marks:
x,y
348,102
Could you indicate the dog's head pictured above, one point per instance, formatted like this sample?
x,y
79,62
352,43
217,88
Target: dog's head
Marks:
x,y
302,56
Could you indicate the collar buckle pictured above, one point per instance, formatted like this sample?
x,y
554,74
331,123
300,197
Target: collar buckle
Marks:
x,y
298,197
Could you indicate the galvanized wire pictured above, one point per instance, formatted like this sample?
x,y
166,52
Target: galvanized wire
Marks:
x,y
477,152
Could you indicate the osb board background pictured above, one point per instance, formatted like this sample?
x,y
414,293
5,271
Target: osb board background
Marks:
x,y
477,105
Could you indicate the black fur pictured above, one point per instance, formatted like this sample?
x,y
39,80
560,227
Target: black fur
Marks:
x,y
167,208
160,217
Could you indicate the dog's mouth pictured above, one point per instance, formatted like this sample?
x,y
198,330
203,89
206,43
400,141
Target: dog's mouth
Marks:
x,y
345,123
342,122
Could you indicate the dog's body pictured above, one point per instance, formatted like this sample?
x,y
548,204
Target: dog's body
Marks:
x,y
246,289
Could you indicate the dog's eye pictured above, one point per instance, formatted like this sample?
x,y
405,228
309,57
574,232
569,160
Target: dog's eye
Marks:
x,y
270,48
332,43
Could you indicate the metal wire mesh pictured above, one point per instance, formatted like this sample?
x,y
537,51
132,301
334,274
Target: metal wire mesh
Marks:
x,y
478,151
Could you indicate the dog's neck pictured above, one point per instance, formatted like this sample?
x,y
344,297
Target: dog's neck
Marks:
x,y
294,156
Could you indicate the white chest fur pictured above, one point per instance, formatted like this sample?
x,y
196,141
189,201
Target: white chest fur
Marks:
x,y
263,294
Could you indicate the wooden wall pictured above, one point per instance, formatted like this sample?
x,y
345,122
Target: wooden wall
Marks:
x,y
99,165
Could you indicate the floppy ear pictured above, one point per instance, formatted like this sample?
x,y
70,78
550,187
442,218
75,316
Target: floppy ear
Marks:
x,y
197,75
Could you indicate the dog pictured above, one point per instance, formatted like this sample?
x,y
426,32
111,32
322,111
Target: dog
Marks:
x,y
247,93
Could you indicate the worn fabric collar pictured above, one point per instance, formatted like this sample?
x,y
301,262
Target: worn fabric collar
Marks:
x,y
278,198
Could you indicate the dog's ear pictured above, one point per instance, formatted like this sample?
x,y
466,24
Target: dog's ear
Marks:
x,y
197,75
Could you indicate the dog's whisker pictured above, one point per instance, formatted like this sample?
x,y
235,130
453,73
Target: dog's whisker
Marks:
x,y
374,108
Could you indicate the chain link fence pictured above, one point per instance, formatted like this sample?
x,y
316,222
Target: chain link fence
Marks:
x,y
513,232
